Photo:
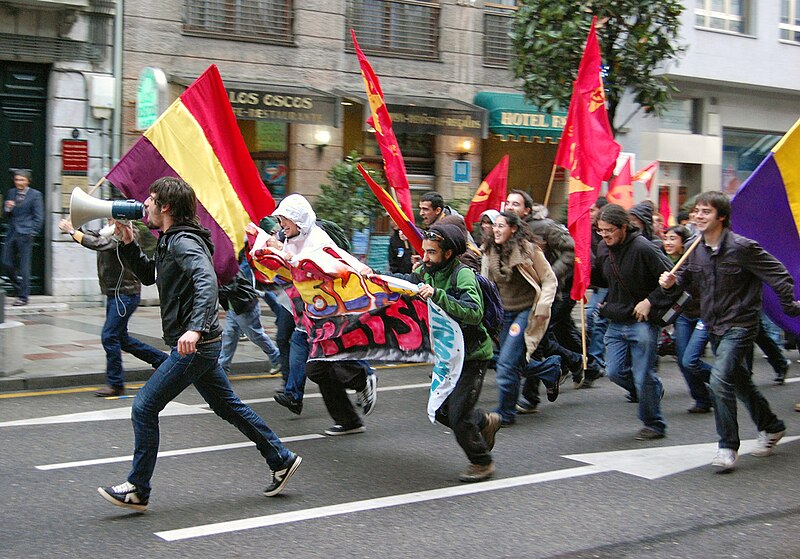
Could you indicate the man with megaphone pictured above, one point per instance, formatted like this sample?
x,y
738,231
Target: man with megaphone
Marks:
x,y
187,287
123,293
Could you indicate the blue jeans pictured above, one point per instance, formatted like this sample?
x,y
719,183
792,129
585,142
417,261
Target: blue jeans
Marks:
x,y
18,248
732,378
173,377
689,344
631,362
511,361
285,324
596,326
250,323
116,339
298,356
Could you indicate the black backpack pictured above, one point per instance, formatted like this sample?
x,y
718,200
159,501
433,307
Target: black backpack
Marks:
x,y
492,305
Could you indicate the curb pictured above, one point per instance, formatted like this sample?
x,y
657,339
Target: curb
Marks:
x,y
23,382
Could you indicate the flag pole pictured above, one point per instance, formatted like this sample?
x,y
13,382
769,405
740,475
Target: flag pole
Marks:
x,y
583,334
96,186
686,254
550,185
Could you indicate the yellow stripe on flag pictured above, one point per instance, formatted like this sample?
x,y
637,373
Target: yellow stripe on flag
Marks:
x,y
181,142
787,157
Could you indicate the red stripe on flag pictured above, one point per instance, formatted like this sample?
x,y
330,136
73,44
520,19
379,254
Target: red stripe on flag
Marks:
x,y
208,103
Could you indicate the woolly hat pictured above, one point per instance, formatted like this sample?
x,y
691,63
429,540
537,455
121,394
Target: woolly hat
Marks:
x,y
453,237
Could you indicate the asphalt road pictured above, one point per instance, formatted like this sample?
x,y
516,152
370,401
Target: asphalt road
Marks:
x,y
393,491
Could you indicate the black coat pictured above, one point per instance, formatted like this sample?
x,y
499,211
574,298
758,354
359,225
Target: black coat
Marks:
x,y
187,284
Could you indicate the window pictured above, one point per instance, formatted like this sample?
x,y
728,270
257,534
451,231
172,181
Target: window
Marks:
x,y
244,20
725,15
790,20
498,21
400,28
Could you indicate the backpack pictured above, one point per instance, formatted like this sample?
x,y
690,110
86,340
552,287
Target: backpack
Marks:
x,y
335,232
492,305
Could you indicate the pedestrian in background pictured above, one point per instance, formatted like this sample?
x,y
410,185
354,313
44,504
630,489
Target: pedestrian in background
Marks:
x,y
24,209
123,294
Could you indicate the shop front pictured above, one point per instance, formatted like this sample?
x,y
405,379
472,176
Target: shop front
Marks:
x,y
530,137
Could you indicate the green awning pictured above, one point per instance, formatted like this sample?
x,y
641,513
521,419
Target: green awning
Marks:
x,y
513,118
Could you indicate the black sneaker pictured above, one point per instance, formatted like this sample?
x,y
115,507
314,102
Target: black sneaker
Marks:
x,y
552,392
648,434
342,430
592,374
294,406
281,477
124,495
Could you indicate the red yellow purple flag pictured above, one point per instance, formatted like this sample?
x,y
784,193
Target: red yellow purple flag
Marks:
x,y
490,194
393,164
647,175
588,151
198,140
620,189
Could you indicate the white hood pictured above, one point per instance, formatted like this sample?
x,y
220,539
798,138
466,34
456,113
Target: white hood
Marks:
x,y
297,208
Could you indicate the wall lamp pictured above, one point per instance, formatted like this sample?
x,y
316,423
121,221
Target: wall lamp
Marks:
x,y
464,148
322,138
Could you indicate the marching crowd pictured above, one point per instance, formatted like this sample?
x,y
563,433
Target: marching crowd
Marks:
x,y
529,259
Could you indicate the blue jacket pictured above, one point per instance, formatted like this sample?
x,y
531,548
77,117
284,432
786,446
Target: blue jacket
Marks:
x,y
27,217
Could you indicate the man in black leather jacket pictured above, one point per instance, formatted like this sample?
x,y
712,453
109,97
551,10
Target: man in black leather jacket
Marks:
x,y
187,286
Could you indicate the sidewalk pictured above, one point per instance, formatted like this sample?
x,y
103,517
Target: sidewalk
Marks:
x,y
62,346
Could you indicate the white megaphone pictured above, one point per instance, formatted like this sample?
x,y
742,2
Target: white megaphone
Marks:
x,y
84,208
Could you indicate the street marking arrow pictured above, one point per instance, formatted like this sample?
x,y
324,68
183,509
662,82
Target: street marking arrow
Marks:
x,y
172,409
650,463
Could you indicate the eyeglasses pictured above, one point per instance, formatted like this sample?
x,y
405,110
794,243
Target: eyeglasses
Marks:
x,y
609,231
432,236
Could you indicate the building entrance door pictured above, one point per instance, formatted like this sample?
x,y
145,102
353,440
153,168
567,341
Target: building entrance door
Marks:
x,y
23,100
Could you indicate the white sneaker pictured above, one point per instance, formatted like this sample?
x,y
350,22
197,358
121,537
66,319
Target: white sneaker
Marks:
x,y
725,459
369,395
766,442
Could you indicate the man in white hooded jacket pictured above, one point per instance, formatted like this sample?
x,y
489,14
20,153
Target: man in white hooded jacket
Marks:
x,y
302,235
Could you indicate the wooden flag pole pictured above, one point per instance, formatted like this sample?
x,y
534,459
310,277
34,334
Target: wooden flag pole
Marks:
x,y
686,254
583,334
550,185
95,187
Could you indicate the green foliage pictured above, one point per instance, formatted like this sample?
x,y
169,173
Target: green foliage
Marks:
x,y
347,200
636,38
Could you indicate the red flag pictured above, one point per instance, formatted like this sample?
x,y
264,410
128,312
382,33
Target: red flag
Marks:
x,y
620,189
395,212
393,164
647,175
663,207
490,194
588,150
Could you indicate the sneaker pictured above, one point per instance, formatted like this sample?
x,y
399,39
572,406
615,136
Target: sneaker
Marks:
x,y
725,459
20,302
124,495
108,391
275,369
766,442
552,392
476,472
699,409
493,421
591,376
369,395
525,407
281,477
294,406
342,430
578,374
648,434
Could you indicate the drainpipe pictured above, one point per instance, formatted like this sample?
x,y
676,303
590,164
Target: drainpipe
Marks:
x,y
116,122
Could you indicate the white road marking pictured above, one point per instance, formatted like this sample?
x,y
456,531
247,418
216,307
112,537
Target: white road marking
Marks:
x,y
649,463
173,409
179,452
372,504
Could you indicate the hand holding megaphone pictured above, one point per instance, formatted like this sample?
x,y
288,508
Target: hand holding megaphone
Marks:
x,y
123,230
84,208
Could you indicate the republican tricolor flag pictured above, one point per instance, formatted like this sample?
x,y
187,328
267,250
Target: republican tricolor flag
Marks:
x,y
588,150
198,140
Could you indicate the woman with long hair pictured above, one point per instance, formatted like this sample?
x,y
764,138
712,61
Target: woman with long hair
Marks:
x,y
516,264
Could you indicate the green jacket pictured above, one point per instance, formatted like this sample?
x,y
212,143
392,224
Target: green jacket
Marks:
x,y
464,303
